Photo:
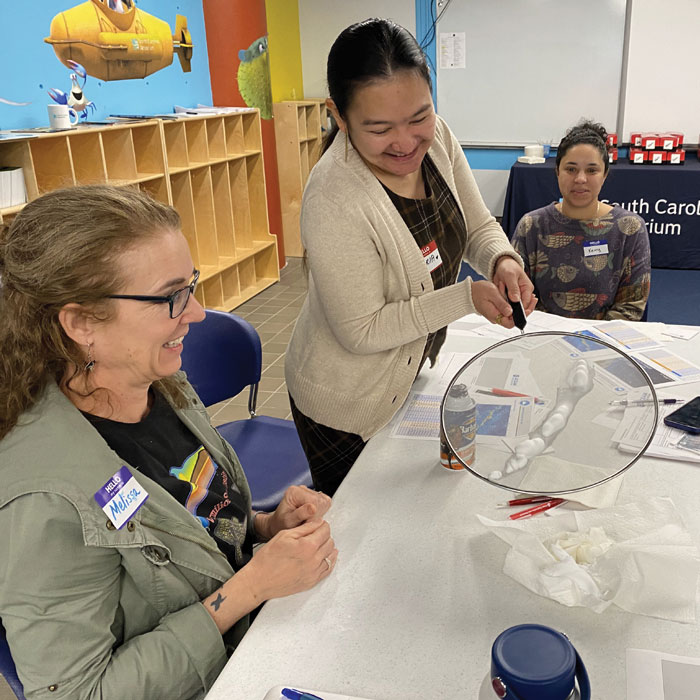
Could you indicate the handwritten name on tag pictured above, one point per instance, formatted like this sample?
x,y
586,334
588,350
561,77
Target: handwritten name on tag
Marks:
x,y
431,255
121,497
595,248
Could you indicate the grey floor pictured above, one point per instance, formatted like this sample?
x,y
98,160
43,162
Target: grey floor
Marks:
x,y
273,313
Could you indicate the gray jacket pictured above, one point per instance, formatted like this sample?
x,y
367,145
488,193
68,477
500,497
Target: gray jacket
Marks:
x,y
95,612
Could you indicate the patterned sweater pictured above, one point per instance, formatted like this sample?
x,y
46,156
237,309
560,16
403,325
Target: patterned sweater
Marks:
x,y
597,268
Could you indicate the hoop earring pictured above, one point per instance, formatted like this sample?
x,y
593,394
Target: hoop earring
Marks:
x,y
90,362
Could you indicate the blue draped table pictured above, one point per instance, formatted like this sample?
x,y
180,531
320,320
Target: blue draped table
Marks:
x,y
666,196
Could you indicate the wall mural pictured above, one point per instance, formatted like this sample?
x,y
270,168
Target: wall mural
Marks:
x,y
254,77
114,40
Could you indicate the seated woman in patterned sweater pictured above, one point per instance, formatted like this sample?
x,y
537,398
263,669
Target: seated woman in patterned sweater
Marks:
x,y
587,259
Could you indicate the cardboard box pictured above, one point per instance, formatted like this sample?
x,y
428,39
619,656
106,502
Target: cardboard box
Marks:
x,y
636,139
667,142
612,155
676,157
612,140
650,142
637,155
656,157
679,137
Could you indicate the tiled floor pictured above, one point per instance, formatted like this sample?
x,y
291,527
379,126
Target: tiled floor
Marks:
x,y
273,313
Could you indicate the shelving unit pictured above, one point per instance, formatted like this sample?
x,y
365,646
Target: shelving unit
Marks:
x,y
299,136
209,168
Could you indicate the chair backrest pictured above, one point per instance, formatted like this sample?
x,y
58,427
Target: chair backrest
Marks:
x,y
222,355
7,666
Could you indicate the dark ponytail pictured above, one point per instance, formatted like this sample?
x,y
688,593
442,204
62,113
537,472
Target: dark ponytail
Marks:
x,y
367,51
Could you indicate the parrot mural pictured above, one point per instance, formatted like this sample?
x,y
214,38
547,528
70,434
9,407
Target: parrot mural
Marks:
x,y
254,77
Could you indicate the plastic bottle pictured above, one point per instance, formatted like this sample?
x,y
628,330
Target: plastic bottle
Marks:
x,y
459,425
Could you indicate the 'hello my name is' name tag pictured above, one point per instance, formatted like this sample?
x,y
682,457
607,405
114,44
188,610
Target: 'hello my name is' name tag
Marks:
x,y
121,497
595,248
431,255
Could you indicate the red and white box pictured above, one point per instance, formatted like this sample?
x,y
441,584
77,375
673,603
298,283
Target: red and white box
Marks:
x,y
612,155
667,142
650,142
636,139
612,140
637,155
656,157
679,138
675,157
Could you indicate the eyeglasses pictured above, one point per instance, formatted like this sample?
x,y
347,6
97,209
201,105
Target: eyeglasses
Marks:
x,y
177,301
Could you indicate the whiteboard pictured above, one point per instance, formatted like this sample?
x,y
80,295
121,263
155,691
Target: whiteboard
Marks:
x,y
533,68
663,58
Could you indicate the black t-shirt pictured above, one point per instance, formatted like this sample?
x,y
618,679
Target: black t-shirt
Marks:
x,y
163,448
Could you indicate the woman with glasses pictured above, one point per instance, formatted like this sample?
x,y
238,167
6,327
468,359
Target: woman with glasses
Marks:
x,y
127,532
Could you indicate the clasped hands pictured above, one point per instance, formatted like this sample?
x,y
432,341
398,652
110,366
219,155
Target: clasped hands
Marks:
x,y
299,551
509,281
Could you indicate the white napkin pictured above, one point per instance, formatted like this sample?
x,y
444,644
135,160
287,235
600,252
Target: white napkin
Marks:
x,y
549,474
644,561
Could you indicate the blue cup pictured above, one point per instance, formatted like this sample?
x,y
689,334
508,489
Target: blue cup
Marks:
x,y
534,662
545,150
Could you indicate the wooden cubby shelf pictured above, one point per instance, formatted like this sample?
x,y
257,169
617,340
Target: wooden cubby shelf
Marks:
x,y
299,129
209,167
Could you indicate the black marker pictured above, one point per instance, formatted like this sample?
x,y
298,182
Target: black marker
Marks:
x,y
519,318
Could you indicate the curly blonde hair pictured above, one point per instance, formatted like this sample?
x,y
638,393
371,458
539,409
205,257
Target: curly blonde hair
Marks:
x,y
63,247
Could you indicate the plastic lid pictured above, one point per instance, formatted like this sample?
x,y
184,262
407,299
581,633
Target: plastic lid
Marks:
x,y
545,413
534,662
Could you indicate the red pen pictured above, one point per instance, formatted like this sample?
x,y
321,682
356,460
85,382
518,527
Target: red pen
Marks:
x,y
524,501
540,508
506,392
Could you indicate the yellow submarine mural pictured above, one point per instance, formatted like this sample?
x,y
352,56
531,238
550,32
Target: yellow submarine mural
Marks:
x,y
114,40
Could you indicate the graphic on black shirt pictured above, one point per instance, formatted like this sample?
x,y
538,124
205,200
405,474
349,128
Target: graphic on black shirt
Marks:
x,y
161,440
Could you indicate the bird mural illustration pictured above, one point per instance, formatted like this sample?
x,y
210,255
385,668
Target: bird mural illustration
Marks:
x,y
254,77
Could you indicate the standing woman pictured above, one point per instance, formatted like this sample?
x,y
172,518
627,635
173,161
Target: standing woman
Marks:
x,y
587,259
389,213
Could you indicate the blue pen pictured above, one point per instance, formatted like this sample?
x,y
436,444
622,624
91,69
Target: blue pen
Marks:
x,y
293,694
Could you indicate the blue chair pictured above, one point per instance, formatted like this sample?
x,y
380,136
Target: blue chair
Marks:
x,y
7,667
222,355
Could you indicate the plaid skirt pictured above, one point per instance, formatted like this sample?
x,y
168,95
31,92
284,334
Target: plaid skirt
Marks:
x,y
330,452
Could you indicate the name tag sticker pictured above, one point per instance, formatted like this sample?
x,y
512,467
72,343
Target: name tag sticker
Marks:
x,y
431,255
121,497
595,248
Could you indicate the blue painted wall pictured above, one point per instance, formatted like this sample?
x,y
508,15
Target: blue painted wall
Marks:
x,y
30,66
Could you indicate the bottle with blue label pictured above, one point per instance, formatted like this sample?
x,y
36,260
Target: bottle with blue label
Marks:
x,y
458,429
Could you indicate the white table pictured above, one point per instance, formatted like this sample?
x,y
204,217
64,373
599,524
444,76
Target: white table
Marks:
x,y
418,594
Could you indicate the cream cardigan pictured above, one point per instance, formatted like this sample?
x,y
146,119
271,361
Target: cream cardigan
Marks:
x,y
354,351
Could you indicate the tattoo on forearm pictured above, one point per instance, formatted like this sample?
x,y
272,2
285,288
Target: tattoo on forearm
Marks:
x,y
216,603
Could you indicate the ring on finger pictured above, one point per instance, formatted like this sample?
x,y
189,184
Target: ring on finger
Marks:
x,y
328,562
499,318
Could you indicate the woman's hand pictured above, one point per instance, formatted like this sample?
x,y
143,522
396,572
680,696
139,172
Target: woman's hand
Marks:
x,y
511,279
299,505
491,304
293,560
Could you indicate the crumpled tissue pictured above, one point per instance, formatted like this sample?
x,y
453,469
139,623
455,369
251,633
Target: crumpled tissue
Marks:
x,y
638,556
